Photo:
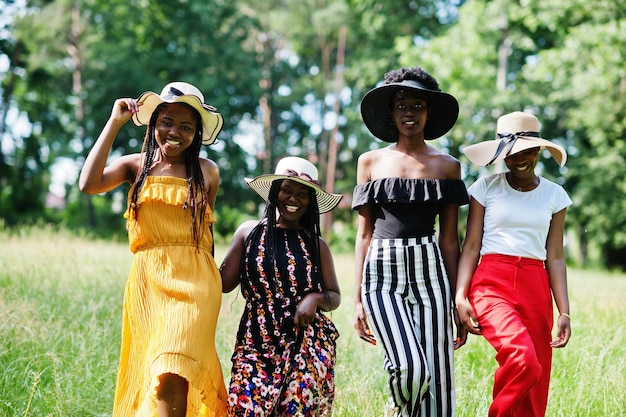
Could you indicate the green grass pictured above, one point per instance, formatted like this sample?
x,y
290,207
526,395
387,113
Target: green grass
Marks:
x,y
60,318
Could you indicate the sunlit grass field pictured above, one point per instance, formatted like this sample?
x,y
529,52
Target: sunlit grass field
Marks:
x,y
60,319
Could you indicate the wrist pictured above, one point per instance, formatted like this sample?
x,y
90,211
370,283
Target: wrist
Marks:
x,y
565,315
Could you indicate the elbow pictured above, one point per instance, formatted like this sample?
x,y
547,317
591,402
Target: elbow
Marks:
x,y
332,300
84,186
227,288
228,285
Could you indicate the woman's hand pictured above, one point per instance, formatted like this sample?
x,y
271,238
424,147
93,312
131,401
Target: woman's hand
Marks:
x,y
461,331
305,312
467,316
563,332
361,326
123,109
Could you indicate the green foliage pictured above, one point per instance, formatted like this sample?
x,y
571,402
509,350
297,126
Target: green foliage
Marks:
x,y
60,322
275,65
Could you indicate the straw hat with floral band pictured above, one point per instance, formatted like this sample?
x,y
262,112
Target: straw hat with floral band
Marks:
x,y
299,170
181,92
516,132
377,113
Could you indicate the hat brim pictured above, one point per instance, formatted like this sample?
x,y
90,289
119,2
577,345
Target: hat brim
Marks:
x,y
376,110
261,185
482,153
212,122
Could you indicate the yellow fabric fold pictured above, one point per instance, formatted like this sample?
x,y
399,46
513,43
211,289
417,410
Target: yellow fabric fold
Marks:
x,y
171,303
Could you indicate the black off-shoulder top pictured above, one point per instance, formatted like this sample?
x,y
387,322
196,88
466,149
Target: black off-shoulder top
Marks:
x,y
407,207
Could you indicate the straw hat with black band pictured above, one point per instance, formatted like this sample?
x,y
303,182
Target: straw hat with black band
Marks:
x,y
181,92
301,171
515,132
377,114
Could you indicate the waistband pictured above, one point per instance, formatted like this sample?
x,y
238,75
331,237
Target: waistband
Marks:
x,y
518,260
405,241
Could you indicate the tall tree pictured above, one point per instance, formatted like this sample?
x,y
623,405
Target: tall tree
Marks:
x,y
580,83
82,55
562,60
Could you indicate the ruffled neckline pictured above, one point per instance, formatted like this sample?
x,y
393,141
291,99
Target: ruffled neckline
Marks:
x,y
410,191
169,190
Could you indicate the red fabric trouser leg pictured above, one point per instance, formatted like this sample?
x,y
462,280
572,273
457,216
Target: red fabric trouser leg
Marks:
x,y
513,303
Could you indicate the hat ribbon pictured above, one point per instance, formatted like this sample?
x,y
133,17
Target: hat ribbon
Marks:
x,y
508,141
304,176
174,93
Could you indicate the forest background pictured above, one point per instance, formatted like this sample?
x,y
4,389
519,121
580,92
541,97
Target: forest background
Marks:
x,y
288,76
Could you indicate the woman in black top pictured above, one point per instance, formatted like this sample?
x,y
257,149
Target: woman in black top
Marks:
x,y
404,274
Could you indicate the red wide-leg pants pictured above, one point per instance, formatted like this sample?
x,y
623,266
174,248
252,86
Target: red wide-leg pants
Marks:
x,y
512,300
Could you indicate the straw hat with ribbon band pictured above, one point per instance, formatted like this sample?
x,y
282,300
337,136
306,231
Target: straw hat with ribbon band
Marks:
x,y
299,170
376,110
516,132
180,92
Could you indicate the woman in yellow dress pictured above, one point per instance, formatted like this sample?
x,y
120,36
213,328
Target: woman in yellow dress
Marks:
x,y
168,363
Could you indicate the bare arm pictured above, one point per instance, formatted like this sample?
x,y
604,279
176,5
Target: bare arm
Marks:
x,y
230,268
331,300
95,176
449,222
557,272
450,252
449,241
325,301
211,174
365,230
468,261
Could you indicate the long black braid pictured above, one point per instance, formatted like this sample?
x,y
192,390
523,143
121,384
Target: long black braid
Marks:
x,y
196,195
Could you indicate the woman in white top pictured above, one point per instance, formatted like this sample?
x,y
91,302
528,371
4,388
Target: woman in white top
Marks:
x,y
515,229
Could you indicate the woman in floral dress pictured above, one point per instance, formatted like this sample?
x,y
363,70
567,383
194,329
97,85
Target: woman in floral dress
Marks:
x,y
284,357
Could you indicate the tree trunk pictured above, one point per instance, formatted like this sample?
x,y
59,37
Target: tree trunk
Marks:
x,y
332,142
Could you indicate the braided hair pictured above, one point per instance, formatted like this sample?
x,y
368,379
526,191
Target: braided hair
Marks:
x,y
277,259
196,194
310,221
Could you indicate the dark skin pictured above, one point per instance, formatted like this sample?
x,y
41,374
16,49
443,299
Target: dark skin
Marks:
x,y
410,157
175,131
521,175
293,202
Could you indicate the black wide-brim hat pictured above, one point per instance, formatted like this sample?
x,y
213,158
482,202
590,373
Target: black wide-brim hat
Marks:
x,y
376,110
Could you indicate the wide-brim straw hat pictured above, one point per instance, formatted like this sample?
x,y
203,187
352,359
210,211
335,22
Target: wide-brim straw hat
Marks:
x,y
515,132
299,170
377,114
181,92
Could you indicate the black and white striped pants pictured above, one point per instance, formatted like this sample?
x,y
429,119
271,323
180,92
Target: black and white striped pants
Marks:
x,y
406,296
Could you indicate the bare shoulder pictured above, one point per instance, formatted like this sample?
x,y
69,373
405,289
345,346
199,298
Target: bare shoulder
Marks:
x,y
375,153
450,166
366,158
244,229
209,166
323,244
129,164
369,161
210,171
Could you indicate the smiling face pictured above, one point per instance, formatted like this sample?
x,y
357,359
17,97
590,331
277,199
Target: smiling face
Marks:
x,y
522,164
175,129
292,203
410,112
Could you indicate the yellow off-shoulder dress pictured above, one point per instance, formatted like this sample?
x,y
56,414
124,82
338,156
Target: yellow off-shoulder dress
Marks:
x,y
171,303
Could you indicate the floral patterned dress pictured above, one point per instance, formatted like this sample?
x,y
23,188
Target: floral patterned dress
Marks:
x,y
277,368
